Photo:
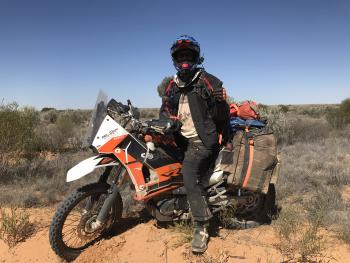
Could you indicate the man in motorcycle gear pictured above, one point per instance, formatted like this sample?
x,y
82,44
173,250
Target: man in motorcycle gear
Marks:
x,y
195,102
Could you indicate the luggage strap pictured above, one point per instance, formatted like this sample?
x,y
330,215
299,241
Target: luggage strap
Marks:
x,y
248,157
250,146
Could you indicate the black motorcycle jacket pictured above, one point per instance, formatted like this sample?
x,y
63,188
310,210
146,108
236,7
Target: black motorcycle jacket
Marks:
x,y
210,112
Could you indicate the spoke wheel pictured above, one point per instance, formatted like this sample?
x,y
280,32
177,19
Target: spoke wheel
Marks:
x,y
72,228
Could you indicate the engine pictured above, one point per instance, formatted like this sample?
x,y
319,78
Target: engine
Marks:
x,y
169,208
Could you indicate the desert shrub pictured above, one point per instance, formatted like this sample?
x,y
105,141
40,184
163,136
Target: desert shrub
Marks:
x,y
300,240
313,112
283,108
47,109
340,117
65,134
65,127
149,113
276,122
77,117
263,107
306,130
43,180
15,226
17,127
49,116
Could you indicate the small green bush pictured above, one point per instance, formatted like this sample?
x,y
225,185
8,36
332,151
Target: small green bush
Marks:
x,y
338,118
17,127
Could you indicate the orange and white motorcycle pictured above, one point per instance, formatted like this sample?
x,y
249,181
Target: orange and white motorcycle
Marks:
x,y
116,135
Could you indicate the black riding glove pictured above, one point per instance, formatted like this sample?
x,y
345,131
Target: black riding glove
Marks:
x,y
173,126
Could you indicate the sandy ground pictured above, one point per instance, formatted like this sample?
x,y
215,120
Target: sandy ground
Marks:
x,y
144,242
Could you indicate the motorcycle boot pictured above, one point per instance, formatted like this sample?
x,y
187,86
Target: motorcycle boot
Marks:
x,y
200,237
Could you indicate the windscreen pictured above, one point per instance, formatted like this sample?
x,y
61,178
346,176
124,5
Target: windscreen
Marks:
x,y
97,116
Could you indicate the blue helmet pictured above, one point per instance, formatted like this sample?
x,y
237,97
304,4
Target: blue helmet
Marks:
x,y
185,42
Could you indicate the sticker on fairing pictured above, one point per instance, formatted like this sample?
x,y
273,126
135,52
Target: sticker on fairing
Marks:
x,y
108,129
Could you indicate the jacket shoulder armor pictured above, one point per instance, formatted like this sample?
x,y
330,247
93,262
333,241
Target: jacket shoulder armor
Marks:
x,y
163,85
214,81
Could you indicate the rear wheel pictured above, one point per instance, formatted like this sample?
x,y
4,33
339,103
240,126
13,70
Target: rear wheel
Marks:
x,y
256,210
72,230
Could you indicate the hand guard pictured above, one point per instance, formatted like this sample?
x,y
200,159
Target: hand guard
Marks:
x,y
173,126
165,126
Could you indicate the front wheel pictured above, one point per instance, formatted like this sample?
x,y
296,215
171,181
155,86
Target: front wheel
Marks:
x,y
71,229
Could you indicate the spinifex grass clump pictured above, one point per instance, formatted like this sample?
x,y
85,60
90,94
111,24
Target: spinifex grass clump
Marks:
x,y
15,226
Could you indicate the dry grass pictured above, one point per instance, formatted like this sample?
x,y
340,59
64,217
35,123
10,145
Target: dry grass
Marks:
x,y
226,215
313,174
185,229
300,240
15,226
43,178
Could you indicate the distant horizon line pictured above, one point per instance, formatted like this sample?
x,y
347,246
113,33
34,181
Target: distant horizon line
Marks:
x,y
301,104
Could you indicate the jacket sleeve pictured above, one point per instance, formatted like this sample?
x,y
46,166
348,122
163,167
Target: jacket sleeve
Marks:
x,y
165,111
221,108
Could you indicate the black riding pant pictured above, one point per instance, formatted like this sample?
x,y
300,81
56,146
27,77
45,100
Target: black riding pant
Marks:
x,y
197,160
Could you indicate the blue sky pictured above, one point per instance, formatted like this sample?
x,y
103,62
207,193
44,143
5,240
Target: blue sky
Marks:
x,y
60,53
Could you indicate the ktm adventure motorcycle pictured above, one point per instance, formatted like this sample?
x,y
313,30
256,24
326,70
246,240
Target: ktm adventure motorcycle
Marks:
x,y
116,135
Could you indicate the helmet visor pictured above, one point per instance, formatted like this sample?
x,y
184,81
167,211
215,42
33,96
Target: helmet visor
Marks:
x,y
185,55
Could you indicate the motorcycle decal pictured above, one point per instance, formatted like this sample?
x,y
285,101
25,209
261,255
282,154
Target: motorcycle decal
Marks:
x,y
109,146
169,170
155,193
135,173
174,180
148,156
109,130
124,157
138,151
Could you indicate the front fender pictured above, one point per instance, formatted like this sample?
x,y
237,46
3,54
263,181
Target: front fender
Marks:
x,y
87,166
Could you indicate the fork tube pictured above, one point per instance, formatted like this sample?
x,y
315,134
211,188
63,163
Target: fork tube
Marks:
x,y
103,179
112,195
